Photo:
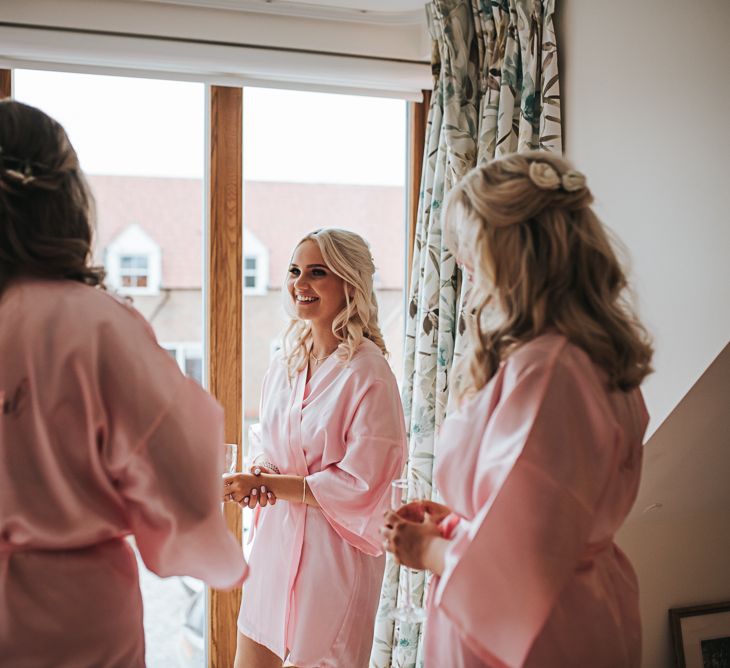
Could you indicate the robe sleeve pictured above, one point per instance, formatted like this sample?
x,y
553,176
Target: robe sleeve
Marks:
x,y
505,569
164,441
354,492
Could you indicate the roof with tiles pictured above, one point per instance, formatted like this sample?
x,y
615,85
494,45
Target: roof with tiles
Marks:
x,y
171,211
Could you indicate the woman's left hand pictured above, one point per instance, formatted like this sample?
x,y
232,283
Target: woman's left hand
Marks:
x,y
408,541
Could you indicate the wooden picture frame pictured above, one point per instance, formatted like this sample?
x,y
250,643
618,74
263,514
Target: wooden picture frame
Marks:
x,y
701,635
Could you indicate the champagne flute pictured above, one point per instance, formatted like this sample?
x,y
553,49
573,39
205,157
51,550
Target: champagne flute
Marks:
x,y
406,611
231,458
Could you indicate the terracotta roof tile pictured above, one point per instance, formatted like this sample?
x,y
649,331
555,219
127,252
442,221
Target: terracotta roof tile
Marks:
x,y
278,214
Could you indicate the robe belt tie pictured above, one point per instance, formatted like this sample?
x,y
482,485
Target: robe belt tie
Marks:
x,y
10,548
592,550
7,548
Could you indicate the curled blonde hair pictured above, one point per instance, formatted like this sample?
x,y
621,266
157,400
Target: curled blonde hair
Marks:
x,y
347,255
543,258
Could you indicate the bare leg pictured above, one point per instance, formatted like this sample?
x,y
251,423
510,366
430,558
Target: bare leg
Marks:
x,y
249,654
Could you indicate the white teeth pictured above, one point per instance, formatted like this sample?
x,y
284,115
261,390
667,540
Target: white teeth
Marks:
x,y
302,298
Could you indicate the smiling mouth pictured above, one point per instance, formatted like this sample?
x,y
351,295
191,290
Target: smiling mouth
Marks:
x,y
303,299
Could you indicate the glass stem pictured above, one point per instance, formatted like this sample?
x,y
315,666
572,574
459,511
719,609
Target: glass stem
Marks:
x,y
408,601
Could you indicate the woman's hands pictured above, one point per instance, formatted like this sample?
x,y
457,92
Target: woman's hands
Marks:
x,y
415,511
412,535
246,488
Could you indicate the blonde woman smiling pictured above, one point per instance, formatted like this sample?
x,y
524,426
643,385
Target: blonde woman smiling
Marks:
x,y
333,439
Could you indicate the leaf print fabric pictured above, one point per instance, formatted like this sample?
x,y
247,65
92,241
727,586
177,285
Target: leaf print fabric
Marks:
x,y
496,91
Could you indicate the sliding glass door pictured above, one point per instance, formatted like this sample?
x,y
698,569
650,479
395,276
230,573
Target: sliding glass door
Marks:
x,y
300,162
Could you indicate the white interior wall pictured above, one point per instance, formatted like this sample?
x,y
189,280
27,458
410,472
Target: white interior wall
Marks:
x,y
645,104
645,95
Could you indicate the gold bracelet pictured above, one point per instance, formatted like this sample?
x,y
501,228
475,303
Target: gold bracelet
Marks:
x,y
304,489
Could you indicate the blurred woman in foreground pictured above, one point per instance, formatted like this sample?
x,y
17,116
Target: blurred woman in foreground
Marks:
x,y
101,436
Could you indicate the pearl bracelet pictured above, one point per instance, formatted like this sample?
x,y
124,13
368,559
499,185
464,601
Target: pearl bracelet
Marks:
x,y
265,463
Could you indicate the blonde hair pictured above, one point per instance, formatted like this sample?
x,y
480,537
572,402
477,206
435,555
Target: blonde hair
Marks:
x,y
347,255
543,258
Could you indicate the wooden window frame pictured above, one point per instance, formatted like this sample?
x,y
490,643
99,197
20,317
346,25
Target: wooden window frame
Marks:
x,y
225,326
6,83
417,124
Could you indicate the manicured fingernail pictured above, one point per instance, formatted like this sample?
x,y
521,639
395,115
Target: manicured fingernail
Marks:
x,y
269,495
263,489
254,492
257,471
245,499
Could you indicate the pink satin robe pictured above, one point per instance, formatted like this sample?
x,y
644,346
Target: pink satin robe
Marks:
x,y
316,572
101,436
543,466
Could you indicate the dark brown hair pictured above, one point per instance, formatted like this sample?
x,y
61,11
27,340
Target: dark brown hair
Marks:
x,y
46,207
538,250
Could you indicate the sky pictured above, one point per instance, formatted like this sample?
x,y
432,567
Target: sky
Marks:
x,y
148,127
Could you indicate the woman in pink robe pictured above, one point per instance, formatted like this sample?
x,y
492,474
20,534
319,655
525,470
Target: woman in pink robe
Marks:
x,y
101,436
540,464
333,439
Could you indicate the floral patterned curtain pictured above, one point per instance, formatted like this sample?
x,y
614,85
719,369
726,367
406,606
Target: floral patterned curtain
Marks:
x,y
496,91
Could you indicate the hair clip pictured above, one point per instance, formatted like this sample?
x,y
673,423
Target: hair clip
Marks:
x,y
24,177
546,177
573,180
543,175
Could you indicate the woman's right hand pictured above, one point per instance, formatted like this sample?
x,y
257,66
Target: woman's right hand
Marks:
x,y
415,511
261,495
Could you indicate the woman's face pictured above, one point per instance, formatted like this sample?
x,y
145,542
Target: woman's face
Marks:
x,y
317,293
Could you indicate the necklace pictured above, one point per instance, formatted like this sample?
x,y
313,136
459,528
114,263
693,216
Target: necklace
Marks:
x,y
319,360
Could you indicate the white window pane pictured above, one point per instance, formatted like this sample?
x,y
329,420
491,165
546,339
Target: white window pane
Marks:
x,y
324,182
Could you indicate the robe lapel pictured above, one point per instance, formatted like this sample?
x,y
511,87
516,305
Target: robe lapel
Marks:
x,y
295,425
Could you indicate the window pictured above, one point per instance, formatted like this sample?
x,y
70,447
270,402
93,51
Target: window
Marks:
x,y
255,265
189,357
150,205
134,271
249,273
133,259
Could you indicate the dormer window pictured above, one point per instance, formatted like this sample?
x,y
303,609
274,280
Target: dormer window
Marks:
x,y
255,265
134,271
249,273
134,262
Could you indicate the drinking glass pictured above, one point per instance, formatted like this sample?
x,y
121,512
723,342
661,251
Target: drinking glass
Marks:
x,y
231,458
254,445
406,611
